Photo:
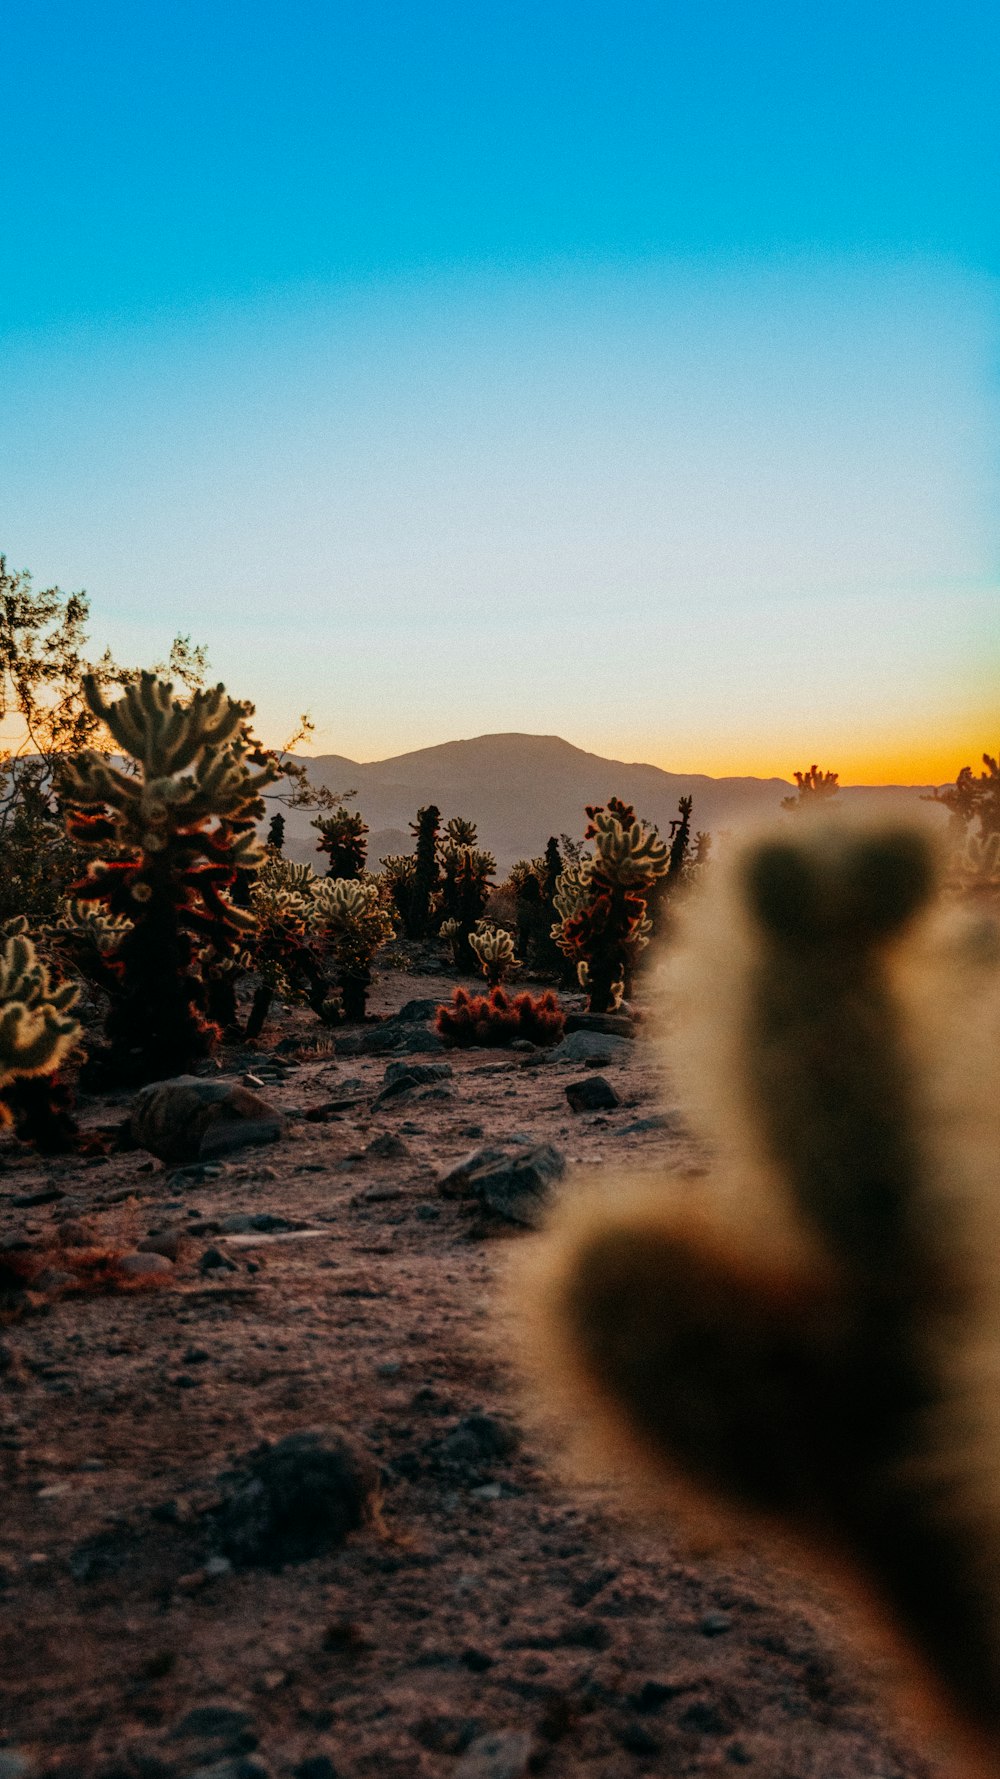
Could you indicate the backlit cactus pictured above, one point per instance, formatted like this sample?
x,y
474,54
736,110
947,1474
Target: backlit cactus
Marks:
x,y
810,1334
467,871
173,834
496,1020
495,950
601,902
349,922
37,1034
342,837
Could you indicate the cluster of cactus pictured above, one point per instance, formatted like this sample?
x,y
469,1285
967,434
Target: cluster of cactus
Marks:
x,y
342,837
443,885
348,921
534,882
601,901
809,1339
496,1020
172,833
815,789
495,950
37,1034
280,951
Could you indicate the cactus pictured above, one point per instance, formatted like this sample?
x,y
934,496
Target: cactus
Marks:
x,y
342,838
810,1339
349,921
174,834
495,1020
601,902
495,950
467,871
37,1034
276,832
815,788
280,949
426,875
974,867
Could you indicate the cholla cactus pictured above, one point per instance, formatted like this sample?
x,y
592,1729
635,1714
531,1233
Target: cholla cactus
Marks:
x,y
37,1034
37,1031
177,829
281,950
809,1339
601,903
349,921
342,838
495,950
467,872
93,925
495,1020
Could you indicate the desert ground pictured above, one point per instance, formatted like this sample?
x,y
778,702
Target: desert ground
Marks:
x,y
491,1619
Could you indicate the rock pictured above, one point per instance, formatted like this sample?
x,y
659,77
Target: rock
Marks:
x,y
13,1765
387,1147
671,1121
256,1223
505,1754
167,1243
592,1095
190,1119
296,1499
455,1183
239,1768
73,1233
591,1047
214,1260
144,1265
402,1077
212,1723
611,1025
515,1187
477,1439
46,1195
316,1766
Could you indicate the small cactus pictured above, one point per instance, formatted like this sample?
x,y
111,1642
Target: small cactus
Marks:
x,y
495,1020
349,922
495,950
601,902
37,1034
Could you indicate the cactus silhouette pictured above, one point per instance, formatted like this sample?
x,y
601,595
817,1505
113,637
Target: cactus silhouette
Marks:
x,y
342,838
173,832
811,1339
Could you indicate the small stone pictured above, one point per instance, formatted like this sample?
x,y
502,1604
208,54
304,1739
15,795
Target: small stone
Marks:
x,y
715,1624
387,1147
503,1755
593,1048
296,1499
13,1765
46,1195
211,1722
213,1260
193,1119
168,1244
316,1766
592,1095
671,1121
74,1233
429,1213
143,1265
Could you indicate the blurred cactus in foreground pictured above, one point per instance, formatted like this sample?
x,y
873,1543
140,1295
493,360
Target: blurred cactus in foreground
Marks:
x,y
173,831
810,1337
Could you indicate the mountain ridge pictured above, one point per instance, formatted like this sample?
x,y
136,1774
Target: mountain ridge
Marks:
x,y
519,788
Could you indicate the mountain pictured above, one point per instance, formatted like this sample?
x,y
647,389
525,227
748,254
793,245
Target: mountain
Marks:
x,y
519,789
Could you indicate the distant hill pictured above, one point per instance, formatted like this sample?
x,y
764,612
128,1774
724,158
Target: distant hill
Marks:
x,y
519,789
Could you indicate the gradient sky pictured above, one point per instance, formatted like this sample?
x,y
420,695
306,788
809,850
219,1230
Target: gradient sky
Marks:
x,y
622,372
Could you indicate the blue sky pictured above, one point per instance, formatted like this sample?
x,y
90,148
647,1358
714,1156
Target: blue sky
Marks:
x,y
623,372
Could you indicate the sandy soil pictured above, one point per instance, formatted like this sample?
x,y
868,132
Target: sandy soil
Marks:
x,y
493,1598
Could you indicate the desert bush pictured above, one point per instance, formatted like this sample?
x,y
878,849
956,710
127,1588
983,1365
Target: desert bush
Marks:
x,y
806,1345
172,835
601,902
495,1020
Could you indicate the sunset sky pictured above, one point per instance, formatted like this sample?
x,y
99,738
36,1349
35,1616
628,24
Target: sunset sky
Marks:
x,y
628,373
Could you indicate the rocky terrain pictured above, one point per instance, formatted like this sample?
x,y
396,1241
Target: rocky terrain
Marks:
x,y
432,1599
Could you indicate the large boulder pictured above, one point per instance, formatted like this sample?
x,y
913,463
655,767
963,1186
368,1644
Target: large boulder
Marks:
x,y
193,1119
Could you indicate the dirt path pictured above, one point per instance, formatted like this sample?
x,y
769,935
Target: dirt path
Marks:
x,y
492,1600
